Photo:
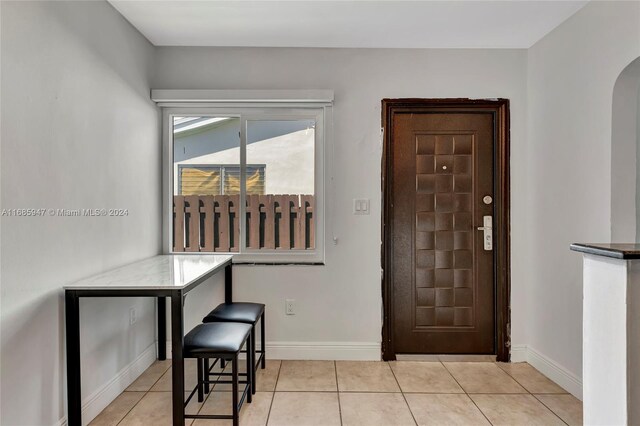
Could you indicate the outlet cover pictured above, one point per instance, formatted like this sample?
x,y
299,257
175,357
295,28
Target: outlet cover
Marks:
x,y
289,306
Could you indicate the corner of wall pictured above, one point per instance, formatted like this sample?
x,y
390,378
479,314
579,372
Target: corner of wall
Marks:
x,y
554,371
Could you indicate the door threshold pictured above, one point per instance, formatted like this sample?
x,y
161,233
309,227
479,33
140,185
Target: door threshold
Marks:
x,y
446,358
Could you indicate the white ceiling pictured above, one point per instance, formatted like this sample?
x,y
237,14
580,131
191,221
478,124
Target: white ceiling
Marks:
x,y
399,24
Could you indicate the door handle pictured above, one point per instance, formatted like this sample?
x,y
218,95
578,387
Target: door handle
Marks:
x,y
487,229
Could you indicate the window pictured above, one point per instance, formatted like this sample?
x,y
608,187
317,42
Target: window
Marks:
x,y
270,157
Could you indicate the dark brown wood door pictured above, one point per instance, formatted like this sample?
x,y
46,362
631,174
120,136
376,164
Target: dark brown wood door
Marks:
x,y
442,276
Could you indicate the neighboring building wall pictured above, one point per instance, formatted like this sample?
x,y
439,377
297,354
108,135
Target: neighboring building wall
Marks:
x,y
339,304
78,131
571,76
286,149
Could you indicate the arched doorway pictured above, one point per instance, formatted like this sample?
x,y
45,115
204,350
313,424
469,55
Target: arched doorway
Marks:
x,y
625,155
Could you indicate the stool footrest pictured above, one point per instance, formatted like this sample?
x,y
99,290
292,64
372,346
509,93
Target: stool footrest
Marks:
x,y
209,416
219,416
193,392
226,374
228,382
244,395
258,361
259,358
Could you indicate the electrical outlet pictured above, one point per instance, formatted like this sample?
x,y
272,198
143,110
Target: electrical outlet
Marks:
x,y
133,316
289,306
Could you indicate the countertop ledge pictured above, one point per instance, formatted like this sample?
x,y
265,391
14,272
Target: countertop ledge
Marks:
x,y
173,271
614,250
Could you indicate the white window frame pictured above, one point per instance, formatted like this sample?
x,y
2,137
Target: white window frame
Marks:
x,y
265,110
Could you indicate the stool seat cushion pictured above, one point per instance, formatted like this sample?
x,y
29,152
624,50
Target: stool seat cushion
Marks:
x,y
247,313
218,338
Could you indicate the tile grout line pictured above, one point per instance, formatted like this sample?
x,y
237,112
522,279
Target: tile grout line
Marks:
x,y
401,392
509,393
530,393
516,380
525,388
466,393
273,394
127,413
145,393
549,408
456,380
303,391
335,370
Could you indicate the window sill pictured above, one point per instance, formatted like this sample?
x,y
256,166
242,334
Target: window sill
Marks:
x,y
243,260
292,263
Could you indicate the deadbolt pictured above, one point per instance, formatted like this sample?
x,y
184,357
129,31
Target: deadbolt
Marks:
x,y
487,199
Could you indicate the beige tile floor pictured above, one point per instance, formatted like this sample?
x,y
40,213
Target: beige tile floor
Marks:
x,y
325,393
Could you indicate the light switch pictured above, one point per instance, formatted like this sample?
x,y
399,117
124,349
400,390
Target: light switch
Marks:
x,y
360,206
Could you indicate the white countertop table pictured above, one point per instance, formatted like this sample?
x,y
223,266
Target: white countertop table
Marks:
x,y
165,276
164,272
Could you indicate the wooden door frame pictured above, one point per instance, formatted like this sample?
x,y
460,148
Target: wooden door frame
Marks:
x,y
500,110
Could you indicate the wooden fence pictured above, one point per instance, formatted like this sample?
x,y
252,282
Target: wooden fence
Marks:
x,y
207,223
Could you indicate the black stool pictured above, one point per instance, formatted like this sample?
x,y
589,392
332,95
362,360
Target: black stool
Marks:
x,y
245,313
222,341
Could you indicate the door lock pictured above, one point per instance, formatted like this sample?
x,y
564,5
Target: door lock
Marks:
x,y
487,229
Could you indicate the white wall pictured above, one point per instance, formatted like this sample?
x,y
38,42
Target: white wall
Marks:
x,y
571,75
78,131
339,304
637,205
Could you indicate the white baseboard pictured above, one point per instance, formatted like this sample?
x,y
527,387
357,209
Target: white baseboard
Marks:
x,y
557,373
357,351
338,351
101,398
518,353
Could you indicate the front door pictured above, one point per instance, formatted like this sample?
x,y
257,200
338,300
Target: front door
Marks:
x,y
441,260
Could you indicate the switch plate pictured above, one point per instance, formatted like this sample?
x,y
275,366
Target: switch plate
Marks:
x,y
361,206
289,306
133,316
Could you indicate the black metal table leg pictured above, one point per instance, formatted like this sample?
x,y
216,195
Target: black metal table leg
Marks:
x,y
234,390
162,328
251,349
72,322
228,293
251,368
228,284
177,360
201,377
206,375
263,343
